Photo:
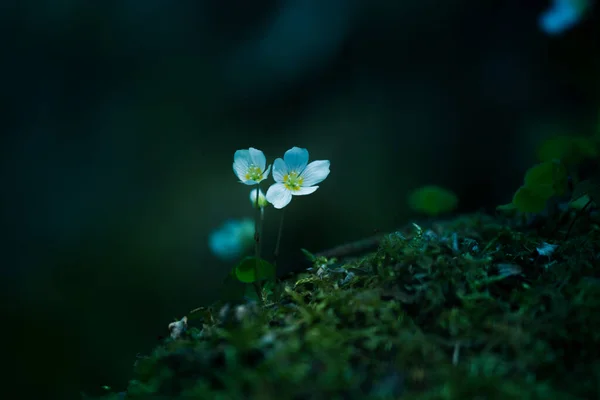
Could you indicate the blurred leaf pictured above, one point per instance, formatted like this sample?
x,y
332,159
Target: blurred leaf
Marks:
x,y
252,269
547,179
584,192
529,201
432,200
581,202
569,149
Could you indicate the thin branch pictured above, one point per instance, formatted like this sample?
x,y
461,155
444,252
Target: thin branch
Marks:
x,y
352,248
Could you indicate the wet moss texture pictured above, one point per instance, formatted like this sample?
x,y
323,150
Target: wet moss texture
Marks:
x,y
476,307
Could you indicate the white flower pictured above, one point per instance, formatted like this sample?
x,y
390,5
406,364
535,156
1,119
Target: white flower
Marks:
x,y
249,166
294,176
232,239
177,328
262,200
546,249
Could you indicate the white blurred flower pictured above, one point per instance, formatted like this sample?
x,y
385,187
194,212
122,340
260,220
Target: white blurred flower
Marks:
x,y
177,328
563,15
546,249
294,176
233,239
249,166
262,200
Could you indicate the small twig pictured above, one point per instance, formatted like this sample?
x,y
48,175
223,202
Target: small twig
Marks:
x,y
352,248
257,222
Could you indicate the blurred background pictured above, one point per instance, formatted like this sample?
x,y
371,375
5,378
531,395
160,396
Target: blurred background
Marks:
x,y
120,120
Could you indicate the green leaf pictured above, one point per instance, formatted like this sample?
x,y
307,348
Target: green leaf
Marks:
x,y
547,179
252,269
580,203
529,201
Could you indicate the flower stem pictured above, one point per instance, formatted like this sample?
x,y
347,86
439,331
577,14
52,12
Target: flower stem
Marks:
x,y
258,290
258,222
260,230
278,238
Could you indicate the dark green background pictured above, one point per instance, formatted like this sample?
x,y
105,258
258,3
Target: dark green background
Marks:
x,y
120,120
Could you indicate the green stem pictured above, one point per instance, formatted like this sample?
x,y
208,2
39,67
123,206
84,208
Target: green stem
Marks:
x,y
256,225
260,230
257,244
276,254
258,290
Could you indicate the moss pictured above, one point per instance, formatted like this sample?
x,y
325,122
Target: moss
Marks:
x,y
460,309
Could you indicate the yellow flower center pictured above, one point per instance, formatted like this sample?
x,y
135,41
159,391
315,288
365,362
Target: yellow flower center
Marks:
x,y
254,173
292,181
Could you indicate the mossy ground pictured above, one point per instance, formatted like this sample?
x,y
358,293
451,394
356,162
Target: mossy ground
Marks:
x,y
460,309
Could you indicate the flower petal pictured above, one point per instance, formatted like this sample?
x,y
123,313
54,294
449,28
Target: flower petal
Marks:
x,y
241,163
265,174
303,191
258,158
280,169
296,159
315,172
278,195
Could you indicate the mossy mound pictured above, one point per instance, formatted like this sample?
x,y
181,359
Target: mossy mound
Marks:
x,y
471,308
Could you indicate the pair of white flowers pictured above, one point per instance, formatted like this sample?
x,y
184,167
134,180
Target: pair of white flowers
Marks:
x,y
293,175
